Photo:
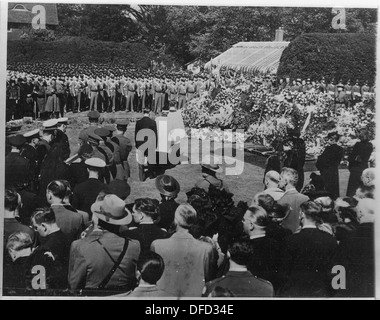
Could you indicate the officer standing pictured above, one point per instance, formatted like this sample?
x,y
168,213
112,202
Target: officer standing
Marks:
x,y
17,168
29,152
93,117
182,94
86,193
125,146
107,152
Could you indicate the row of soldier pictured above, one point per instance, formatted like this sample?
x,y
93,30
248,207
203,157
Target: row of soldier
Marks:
x,y
50,97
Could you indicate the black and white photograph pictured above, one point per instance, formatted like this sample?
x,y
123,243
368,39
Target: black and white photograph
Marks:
x,y
207,151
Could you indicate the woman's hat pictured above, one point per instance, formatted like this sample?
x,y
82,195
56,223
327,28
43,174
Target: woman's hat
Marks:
x,y
112,210
167,185
206,163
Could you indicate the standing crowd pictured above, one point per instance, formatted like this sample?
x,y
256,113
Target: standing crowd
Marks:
x,y
72,217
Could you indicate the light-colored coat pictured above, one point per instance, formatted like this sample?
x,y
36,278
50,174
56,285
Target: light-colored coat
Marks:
x,y
189,264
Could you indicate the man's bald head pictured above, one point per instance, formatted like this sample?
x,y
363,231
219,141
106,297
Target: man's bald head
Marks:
x,y
272,179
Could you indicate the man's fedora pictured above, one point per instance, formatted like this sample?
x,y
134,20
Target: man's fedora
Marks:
x,y
112,210
167,185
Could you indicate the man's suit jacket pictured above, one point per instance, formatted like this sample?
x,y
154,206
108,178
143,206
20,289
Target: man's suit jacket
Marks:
x,y
90,264
16,170
241,284
146,123
308,261
70,222
189,264
146,234
85,194
294,199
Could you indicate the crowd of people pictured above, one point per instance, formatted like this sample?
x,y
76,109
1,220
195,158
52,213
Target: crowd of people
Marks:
x,y
72,217
50,90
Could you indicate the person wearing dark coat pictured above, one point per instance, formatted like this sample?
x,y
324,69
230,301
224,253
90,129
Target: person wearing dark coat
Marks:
x,y
264,262
146,214
86,193
357,254
146,123
295,155
169,189
308,257
328,164
53,254
29,152
16,167
61,137
16,263
358,161
53,168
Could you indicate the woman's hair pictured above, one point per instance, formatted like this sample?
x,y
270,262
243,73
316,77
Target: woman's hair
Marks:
x,y
149,207
312,210
19,241
44,215
151,266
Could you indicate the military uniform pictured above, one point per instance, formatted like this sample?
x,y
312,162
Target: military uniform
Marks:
x,y
159,97
182,96
17,168
92,258
131,88
93,88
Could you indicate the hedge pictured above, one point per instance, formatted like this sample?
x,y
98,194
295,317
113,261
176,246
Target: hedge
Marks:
x,y
79,50
339,56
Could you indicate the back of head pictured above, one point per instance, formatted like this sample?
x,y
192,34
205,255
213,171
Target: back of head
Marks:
x,y
44,215
312,211
272,177
259,216
58,189
149,207
240,251
19,241
11,199
185,216
151,267
290,176
264,201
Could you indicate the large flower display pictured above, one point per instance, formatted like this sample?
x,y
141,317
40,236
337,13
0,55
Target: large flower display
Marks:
x,y
265,116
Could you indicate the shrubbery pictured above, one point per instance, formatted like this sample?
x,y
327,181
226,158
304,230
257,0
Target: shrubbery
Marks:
x,y
347,56
80,50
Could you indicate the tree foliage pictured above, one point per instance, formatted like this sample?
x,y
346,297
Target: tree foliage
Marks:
x,y
348,56
183,33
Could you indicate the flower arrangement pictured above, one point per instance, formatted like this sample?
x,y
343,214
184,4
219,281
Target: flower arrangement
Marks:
x,y
265,116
